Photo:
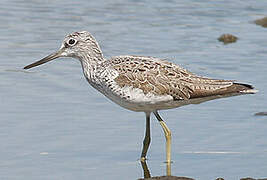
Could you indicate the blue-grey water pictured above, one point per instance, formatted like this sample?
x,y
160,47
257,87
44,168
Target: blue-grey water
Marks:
x,y
53,125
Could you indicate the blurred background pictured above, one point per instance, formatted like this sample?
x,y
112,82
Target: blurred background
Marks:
x,y
53,125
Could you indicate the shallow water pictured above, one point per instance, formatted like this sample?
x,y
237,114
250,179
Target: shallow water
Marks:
x,y
53,125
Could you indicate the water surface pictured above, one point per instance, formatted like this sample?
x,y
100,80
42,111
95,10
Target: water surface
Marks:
x,y
53,125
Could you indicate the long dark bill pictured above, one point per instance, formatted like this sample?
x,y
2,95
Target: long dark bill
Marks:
x,y
45,59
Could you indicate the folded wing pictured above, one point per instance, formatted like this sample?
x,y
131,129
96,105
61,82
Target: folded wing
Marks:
x,y
159,77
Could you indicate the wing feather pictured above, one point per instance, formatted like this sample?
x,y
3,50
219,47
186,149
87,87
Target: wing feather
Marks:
x,y
153,75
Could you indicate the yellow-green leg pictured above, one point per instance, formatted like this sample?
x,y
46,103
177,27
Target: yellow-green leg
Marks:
x,y
167,133
147,138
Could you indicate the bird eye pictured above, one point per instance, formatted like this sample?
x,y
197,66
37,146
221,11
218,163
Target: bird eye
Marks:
x,y
71,42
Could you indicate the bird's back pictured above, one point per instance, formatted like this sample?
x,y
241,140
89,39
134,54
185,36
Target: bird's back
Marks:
x,y
148,80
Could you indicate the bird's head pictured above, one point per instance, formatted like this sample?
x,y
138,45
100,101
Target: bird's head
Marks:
x,y
80,45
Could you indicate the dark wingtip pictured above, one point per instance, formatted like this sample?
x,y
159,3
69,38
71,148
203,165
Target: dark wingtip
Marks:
x,y
245,85
245,88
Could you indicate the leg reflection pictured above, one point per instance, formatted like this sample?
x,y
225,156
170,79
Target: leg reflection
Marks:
x,y
147,172
145,169
168,168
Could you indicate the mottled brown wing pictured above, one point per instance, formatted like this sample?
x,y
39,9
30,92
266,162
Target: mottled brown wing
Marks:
x,y
160,77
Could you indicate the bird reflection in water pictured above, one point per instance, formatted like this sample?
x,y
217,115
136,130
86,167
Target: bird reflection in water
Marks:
x,y
147,174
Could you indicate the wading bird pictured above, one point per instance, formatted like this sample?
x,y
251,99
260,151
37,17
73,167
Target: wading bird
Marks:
x,y
145,84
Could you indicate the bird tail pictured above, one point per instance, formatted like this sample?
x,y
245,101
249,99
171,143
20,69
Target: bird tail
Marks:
x,y
242,88
234,90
